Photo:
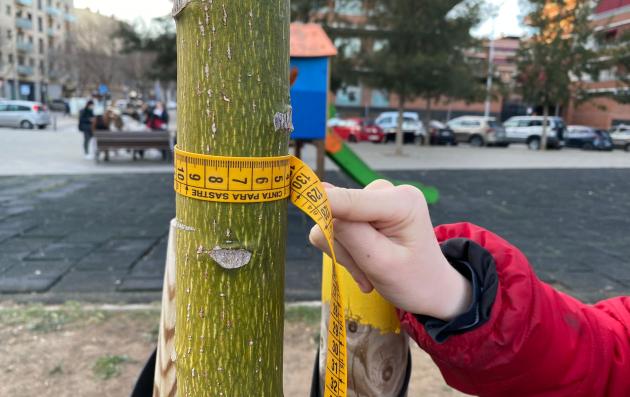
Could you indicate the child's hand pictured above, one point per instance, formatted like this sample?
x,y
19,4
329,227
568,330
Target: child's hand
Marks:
x,y
384,237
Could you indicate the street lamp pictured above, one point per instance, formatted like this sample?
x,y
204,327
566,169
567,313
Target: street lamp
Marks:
x,y
489,80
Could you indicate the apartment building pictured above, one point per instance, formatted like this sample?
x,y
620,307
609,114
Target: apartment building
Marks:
x,y
611,21
34,36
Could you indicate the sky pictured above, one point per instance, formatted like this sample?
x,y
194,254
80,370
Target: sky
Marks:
x,y
507,21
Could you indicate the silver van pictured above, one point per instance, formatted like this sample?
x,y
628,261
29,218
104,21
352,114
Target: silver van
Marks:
x,y
23,114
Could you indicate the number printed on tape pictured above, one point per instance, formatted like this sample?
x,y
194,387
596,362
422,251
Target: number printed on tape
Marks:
x,y
255,180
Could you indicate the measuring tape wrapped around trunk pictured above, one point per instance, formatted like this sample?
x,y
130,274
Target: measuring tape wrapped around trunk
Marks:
x,y
243,180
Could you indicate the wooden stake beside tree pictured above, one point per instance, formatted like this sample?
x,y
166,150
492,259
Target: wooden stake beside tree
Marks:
x,y
233,100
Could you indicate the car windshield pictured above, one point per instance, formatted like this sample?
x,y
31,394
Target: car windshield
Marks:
x,y
410,120
368,123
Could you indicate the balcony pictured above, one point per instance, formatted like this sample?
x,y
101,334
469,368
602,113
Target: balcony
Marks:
x,y
23,46
24,24
24,2
51,31
53,12
70,18
24,70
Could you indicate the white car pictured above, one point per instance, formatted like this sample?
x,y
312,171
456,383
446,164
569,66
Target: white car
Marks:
x,y
529,130
24,114
413,128
621,136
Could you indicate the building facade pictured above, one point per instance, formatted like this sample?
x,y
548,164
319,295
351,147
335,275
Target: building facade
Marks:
x,y
34,36
611,21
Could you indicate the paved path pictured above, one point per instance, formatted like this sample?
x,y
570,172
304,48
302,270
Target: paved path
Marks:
x,y
59,153
102,237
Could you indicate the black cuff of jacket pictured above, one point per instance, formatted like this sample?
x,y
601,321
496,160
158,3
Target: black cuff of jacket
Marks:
x,y
478,266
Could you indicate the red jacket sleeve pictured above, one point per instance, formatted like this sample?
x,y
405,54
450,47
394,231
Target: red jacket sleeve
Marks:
x,y
537,341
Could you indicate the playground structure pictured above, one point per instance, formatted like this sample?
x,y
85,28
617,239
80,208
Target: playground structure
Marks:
x,y
311,50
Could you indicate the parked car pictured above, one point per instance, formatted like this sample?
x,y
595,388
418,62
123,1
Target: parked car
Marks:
x,y
621,137
529,130
24,114
59,105
441,134
358,130
587,138
478,131
413,128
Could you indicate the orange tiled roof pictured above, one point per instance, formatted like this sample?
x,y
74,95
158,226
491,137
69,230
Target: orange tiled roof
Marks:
x,y
308,40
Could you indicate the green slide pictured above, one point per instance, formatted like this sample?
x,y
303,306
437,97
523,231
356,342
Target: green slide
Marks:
x,y
361,173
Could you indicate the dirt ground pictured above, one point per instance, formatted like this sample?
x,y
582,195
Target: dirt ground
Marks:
x,y
71,351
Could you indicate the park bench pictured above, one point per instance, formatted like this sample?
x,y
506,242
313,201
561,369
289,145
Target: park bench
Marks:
x,y
133,140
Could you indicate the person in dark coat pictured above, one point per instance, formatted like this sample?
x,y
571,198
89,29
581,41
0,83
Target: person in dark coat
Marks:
x,y
471,300
86,126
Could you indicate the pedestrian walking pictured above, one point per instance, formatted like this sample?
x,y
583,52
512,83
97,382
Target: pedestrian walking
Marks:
x,y
86,126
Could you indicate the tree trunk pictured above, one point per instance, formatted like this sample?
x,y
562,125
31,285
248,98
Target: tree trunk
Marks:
x,y
427,119
233,100
545,130
400,137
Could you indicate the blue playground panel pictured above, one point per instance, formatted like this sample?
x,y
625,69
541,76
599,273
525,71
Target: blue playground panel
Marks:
x,y
309,98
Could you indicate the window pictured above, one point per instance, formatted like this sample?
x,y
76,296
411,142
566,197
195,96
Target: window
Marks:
x,y
21,108
9,10
10,58
349,47
349,7
386,120
4,108
41,46
510,124
350,96
380,98
40,24
9,34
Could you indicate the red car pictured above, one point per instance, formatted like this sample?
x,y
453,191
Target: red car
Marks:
x,y
358,130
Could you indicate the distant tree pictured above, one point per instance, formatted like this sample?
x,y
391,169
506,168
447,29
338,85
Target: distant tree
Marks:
x,y
304,10
559,55
421,50
158,40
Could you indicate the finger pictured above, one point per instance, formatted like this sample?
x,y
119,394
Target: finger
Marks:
x,y
379,184
373,252
393,204
343,258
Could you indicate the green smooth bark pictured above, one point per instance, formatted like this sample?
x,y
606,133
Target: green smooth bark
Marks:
x,y
233,78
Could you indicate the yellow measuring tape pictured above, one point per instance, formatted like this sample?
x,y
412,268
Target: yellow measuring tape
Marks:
x,y
255,180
